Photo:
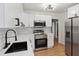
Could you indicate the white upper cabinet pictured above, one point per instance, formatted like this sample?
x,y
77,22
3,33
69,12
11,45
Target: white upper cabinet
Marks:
x,y
37,17
40,17
24,19
31,20
2,14
12,11
73,11
27,19
46,18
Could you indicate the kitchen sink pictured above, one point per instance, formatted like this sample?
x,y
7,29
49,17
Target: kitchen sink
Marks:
x,y
16,47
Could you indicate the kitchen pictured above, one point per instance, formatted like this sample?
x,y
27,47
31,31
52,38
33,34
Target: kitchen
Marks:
x,y
26,28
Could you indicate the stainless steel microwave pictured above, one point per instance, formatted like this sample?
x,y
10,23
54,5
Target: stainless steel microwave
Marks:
x,y
39,23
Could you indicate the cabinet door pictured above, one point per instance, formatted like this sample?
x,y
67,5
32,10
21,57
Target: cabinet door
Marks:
x,y
40,17
11,12
37,17
48,20
2,41
73,11
2,13
31,38
50,40
31,20
78,36
25,19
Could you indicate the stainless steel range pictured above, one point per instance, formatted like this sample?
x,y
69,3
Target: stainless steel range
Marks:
x,y
40,39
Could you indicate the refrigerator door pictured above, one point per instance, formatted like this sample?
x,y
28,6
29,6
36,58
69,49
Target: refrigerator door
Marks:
x,y
75,35
68,37
78,37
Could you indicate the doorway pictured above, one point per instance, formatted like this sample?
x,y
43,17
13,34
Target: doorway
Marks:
x,y
55,30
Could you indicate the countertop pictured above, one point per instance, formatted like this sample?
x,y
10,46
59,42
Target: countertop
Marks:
x,y
23,33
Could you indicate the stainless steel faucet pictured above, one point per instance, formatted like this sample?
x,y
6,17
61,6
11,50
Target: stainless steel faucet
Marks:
x,y
6,44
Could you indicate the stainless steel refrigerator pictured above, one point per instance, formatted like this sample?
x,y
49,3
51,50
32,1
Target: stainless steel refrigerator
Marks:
x,y
72,36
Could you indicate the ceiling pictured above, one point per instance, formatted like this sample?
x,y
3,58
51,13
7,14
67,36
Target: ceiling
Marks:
x,y
60,7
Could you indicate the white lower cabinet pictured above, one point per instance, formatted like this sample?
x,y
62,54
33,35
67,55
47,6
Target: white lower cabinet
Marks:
x,y
50,40
25,37
31,38
2,41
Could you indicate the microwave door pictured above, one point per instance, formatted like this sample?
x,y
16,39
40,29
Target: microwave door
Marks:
x,y
75,36
39,24
68,37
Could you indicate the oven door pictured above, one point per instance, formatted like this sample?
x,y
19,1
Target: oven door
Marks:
x,y
40,43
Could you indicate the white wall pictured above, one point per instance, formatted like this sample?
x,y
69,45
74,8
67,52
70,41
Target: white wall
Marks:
x,y
62,19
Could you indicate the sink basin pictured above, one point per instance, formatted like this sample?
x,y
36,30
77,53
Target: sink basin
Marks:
x,y
16,47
